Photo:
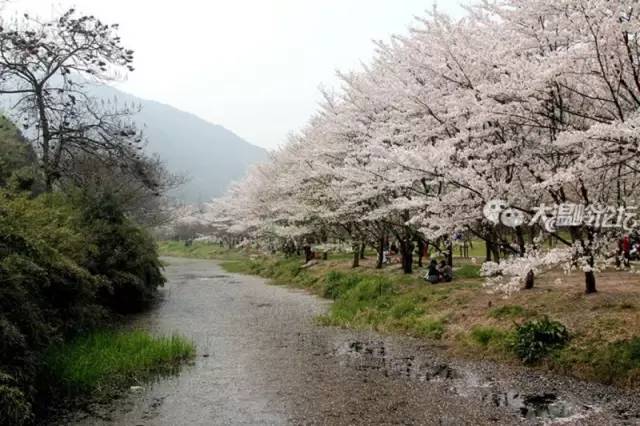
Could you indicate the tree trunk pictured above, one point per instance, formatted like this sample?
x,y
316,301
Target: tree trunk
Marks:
x,y
363,247
406,248
487,246
450,253
495,250
520,238
356,255
590,282
529,280
46,138
380,253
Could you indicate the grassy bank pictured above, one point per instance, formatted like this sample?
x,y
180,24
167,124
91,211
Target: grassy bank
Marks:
x,y
106,361
554,327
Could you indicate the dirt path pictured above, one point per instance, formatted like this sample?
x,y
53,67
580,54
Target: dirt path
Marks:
x,y
262,360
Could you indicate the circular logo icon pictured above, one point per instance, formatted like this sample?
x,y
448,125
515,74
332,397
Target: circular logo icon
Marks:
x,y
493,209
512,218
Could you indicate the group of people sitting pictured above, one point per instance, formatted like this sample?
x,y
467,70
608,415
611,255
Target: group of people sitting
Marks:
x,y
439,273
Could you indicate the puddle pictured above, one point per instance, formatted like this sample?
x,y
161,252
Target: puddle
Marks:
x,y
213,277
375,356
628,413
546,406
190,277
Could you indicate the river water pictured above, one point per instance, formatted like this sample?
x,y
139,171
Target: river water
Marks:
x,y
263,360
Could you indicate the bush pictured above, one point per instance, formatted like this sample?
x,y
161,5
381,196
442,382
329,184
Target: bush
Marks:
x,y
15,410
536,338
123,256
44,295
65,262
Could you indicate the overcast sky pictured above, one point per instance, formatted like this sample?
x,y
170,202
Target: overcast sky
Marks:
x,y
252,66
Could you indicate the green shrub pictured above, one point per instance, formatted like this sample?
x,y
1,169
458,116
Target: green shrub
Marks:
x,y
44,295
536,338
65,261
123,255
15,409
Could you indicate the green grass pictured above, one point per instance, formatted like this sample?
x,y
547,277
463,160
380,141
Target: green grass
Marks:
x,y
510,312
198,250
467,271
486,336
103,361
613,363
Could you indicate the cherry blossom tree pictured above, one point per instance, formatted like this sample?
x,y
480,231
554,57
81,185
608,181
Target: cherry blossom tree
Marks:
x,y
530,102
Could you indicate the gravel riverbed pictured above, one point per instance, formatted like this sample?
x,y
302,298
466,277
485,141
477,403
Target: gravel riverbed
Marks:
x,y
263,360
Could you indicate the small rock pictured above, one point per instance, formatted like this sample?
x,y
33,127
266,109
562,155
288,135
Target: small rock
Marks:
x,y
136,388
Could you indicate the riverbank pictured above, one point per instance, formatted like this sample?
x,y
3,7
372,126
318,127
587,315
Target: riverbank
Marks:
x,y
462,317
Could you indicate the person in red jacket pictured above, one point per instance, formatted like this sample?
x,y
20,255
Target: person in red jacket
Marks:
x,y
626,249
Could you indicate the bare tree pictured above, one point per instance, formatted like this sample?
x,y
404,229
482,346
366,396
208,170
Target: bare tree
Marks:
x,y
46,67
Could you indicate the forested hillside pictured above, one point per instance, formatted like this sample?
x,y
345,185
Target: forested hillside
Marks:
x,y
208,155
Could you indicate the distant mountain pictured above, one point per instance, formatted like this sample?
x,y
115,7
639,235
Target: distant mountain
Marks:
x,y
208,154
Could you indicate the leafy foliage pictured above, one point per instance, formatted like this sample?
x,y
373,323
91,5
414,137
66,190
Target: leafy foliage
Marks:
x,y
65,264
536,338
15,409
124,256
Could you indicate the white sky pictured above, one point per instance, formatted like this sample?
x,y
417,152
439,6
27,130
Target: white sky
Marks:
x,y
252,66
